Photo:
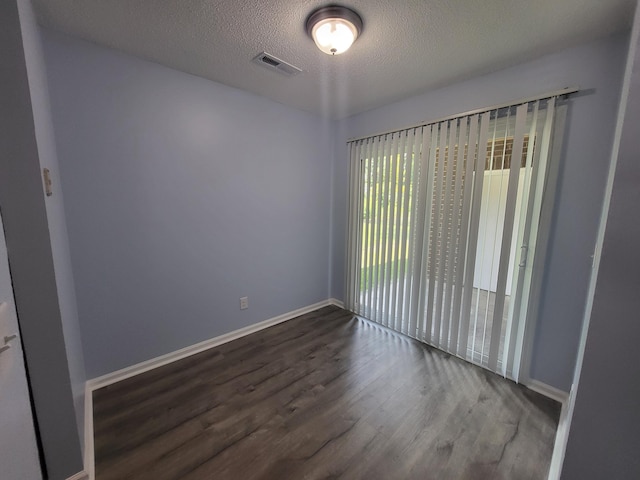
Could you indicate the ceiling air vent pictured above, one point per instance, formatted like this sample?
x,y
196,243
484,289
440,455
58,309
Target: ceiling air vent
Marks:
x,y
274,63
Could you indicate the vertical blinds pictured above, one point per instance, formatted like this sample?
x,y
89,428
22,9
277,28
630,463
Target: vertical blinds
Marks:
x,y
443,221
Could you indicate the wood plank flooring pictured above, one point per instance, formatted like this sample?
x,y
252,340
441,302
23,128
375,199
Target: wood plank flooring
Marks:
x,y
322,396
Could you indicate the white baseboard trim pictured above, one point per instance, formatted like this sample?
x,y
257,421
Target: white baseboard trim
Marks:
x,y
560,444
336,302
79,476
547,390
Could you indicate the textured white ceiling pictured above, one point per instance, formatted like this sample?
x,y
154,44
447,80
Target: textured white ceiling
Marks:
x,y
407,47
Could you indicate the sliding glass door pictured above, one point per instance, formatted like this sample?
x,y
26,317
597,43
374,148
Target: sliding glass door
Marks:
x,y
443,226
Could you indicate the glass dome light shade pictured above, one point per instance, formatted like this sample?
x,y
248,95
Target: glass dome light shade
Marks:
x,y
334,29
334,35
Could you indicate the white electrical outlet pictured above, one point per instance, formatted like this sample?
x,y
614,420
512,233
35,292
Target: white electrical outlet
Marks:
x,y
244,303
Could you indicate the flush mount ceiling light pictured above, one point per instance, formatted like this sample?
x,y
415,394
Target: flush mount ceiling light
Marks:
x,y
334,28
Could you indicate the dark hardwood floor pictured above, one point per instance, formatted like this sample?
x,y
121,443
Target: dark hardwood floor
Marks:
x,y
322,396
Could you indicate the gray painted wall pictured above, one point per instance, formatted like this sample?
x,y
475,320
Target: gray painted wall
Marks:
x,y
36,72
597,69
182,195
30,252
604,440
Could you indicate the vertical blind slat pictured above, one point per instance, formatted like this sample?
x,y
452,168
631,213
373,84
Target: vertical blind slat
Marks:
x,y
495,164
433,330
422,160
405,230
374,217
469,165
385,226
507,235
367,229
348,300
393,159
524,224
418,190
357,182
409,221
456,255
474,224
397,230
444,311
426,308
411,275
380,231
361,232
354,215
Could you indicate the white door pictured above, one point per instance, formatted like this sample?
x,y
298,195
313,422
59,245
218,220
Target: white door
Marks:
x,y
18,449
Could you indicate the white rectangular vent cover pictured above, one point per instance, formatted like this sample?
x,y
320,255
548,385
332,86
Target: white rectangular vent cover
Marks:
x,y
274,63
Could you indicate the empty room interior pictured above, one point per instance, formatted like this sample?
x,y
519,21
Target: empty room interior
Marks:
x,y
305,240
